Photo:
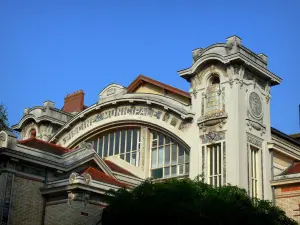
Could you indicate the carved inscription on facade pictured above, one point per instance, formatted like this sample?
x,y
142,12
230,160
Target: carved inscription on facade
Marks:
x,y
110,113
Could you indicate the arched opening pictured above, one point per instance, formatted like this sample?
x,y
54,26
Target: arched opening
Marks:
x,y
153,150
33,133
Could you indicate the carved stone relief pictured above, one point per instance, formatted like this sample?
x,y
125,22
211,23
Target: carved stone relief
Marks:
x,y
212,137
254,140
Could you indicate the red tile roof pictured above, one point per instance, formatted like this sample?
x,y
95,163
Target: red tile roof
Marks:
x,y
294,168
141,78
114,167
44,146
100,176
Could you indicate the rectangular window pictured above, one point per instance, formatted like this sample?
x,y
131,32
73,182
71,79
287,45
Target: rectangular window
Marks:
x,y
134,139
160,156
214,161
167,155
154,157
123,138
128,141
174,154
105,149
111,143
254,174
117,144
100,147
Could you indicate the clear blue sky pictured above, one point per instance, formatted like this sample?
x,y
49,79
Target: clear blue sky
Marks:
x,y
51,48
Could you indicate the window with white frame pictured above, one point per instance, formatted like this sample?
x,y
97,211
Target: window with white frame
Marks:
x,y
124,143
168,158
254,152
214,165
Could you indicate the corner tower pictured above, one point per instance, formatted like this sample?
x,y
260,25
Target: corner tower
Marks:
x,y
230,88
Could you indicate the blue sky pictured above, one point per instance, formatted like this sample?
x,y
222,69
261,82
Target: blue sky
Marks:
x,y
51,48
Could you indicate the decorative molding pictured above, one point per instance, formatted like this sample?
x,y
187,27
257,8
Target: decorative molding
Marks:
x,y
256,125
254,140
212,137
87,178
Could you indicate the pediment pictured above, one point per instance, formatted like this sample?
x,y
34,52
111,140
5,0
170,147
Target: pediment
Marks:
x,y
112,90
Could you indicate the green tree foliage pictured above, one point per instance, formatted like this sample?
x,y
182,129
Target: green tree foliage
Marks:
x,y
4,124
187,202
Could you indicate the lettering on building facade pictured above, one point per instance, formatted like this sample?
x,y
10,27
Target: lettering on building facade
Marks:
x,y
110,113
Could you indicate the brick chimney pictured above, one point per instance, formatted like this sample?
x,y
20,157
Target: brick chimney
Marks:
x,y
74,102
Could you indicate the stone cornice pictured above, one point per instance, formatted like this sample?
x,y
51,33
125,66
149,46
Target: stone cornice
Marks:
x,y
285,147
66,162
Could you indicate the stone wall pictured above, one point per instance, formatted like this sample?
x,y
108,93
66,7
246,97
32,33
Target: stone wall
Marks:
x,y
27,202
75,214
288,199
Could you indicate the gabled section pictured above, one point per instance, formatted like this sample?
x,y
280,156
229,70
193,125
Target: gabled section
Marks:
x,y
143,84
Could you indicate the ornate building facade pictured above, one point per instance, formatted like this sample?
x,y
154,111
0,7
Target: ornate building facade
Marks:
x,y
66,159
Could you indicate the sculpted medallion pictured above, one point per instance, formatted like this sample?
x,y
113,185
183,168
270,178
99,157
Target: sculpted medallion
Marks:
x,y
255,104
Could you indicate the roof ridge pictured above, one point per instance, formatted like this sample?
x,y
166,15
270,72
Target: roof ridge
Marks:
x,y
142,77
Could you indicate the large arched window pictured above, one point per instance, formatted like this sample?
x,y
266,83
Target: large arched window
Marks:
x,y
168,158
124,143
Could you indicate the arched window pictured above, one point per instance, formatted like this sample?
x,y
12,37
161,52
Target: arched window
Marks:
x,y
168,158
213,95
33,133
124,143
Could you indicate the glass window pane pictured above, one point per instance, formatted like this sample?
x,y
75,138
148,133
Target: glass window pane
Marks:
x,y
181,167
174,170
128,141
160,156
122,156
117,143
210,160
128,157
215,159
111,143
187,156
174,154
157,173
160,139
167,155
181,154
187,168
105,149
133,158
134,139
100,146
167,172
154,135
96,145
167,140
123,134
154,143
153,158
220,159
